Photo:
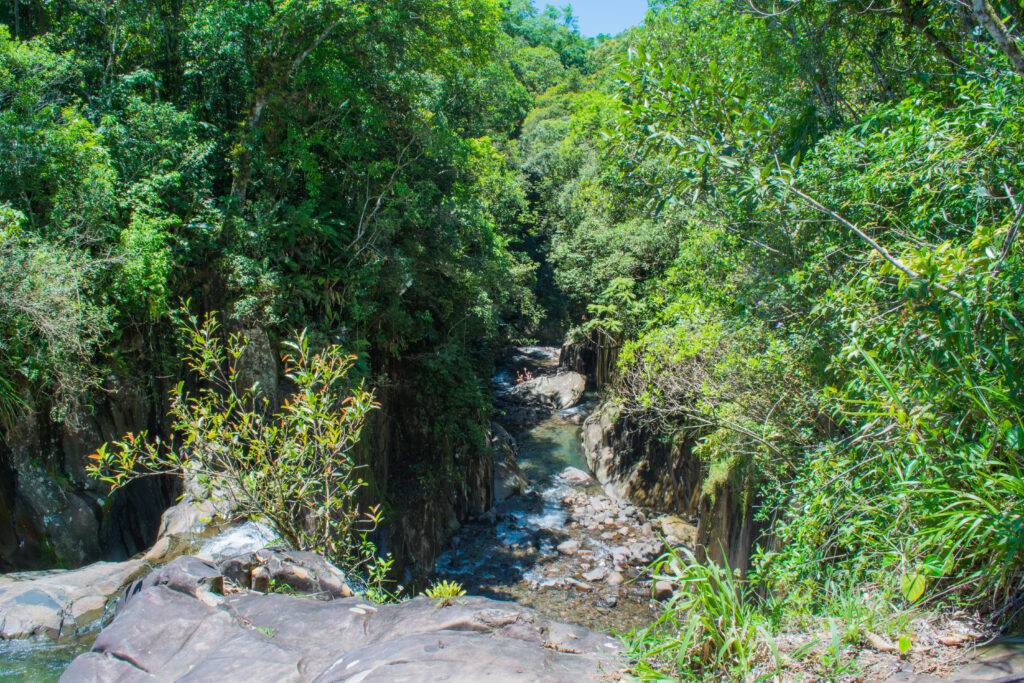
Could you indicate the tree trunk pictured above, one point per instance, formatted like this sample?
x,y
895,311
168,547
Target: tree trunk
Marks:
x,y
987,16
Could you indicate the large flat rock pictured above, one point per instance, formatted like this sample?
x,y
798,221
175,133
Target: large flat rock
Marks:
x,y
61,603
168,632
557,391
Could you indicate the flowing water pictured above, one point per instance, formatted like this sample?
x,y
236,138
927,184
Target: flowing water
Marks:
x,y
38,661
512,553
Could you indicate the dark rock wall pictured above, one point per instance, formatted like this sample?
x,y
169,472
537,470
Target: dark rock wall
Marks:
x,y
423,509
51,513
648,469
597,361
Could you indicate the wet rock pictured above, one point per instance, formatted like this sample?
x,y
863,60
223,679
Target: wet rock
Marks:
x,y
569,547
558,391
509,479
244,538
596,574
615,579
164,634
61,602
578,584
574,475
662,590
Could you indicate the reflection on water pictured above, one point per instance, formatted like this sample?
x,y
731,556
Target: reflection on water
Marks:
x,y
33,661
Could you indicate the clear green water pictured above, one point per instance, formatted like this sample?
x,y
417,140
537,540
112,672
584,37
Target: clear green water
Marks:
x,y
550,447
26,661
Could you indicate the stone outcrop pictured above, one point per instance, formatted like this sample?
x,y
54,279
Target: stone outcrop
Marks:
x,y
61,603
51,513
631,463
509,479
181,624
597,361
727,530
558,391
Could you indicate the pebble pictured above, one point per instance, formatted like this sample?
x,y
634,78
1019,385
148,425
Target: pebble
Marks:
x,y
615,579
578,584
596,574
569,547
662,590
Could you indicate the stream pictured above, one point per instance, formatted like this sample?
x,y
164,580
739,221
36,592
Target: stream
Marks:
x,y
39,661
562,547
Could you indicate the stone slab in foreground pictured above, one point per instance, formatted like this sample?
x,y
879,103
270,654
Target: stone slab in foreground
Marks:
x,y
169,632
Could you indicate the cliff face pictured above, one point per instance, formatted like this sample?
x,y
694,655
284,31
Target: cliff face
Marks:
x,y
664,474
51,513
429,487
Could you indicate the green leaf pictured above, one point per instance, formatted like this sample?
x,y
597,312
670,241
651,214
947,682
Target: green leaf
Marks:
x,y
912,586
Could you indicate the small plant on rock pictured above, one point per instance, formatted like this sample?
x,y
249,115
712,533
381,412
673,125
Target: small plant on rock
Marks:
x,y
445,592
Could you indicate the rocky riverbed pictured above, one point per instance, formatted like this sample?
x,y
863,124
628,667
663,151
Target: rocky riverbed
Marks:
x,y
562,547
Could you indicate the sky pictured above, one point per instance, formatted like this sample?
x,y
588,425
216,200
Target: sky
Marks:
x,y
602,16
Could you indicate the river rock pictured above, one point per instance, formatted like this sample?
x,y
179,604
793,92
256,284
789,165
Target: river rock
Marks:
x,y
615,579
558,391
163,632
61,602
677,531
569,547
575,475
595,574
247,537
662,590
509,479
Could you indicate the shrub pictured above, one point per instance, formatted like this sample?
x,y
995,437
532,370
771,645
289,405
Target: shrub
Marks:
x,y
293,469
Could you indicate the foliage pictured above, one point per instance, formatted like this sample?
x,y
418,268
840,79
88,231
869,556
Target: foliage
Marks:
x,y
295,468
445,590
817,210
708,626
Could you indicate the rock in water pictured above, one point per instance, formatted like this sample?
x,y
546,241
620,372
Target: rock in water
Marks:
x,y
163,632
569,547
558,391
509,479
574,475
60,602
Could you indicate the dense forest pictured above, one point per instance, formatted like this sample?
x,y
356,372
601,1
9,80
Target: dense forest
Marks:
x,y
786,234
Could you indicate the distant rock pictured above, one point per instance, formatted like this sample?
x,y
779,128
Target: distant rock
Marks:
x,y
558,391
509,479
574,475
182,628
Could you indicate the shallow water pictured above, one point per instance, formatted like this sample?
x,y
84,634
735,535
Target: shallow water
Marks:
x,y
511,554
32,661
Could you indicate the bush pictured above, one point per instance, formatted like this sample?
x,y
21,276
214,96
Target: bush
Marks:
x,y
294,469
